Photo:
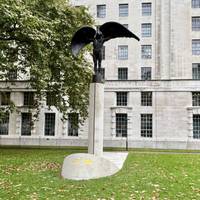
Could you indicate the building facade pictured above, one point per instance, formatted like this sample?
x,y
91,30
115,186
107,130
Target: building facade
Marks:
x,y
152,87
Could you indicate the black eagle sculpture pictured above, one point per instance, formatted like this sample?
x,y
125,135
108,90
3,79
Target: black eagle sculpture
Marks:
x,y
105,32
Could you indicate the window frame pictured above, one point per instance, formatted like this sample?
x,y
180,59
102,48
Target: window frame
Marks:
x,y
146,30
146,98
146,125
146,51
121,98
4,124
28,99
49,127
121,122
146,11
101,11
196,47
5,98
122,73
73,125
196,71
195,4
123,52
26,122
195,23
123,10
145,73
195,99
196,126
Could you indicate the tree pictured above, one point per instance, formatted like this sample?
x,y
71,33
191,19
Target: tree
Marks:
x,y
35,38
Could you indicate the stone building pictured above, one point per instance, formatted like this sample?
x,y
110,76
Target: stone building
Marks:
x,y
152,88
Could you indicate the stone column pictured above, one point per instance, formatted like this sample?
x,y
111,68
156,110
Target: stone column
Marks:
x,y
96,110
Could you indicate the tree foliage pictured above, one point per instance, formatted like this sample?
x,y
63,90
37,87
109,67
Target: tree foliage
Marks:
x,y
35,38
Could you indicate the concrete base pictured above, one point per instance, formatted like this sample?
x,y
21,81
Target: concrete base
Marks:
x,y
89,166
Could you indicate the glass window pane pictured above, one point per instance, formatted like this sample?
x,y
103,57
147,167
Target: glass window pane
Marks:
x,y
146,125
195,3
195,98
12,74
146,73
49,124
146,30
28,98
73,124
121,125
196,23
196,126
196,71
195,47
122,73
146,51
123,52
123,10
101,11
122,98
146,9
50,100
5,98
26,123
146,98
4,124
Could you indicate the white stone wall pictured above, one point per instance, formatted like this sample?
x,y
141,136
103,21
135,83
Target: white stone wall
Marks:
x,y
171,82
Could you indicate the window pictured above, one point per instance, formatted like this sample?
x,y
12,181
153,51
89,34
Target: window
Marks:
x,y
195,98
146,30
5,98
49,124
101,11
146,98
195,47
12,75
146,52
102,71
121,125
26,124
50,100
196,23
28,98
103,53
4,124
196,71
123,52
146,73
195,3
125,25
146,125
122,98
73,124
196,126
122,73
123,10
146,9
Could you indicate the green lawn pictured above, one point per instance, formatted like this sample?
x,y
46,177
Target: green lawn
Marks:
x,y
35,174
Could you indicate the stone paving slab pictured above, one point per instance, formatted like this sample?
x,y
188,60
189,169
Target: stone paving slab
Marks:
x,y
118,158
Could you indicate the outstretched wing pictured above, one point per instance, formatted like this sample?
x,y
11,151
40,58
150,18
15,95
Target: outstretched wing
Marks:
x,y
81,38
113,30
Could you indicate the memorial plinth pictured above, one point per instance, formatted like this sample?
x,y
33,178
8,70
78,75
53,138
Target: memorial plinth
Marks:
x,y
96,111
95,164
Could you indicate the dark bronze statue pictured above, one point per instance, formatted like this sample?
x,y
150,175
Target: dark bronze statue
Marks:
x,y
105,32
